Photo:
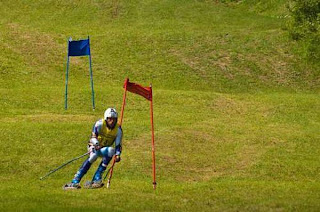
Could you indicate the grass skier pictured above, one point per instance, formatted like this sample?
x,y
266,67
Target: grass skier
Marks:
x,y
105,133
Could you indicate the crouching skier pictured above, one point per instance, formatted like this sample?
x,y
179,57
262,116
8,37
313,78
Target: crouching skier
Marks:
x,y
105,133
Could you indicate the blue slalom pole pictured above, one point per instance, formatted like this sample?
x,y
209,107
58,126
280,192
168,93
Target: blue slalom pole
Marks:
x,y
67,75
91,78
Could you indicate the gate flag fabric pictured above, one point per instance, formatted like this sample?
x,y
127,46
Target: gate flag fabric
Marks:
x,y
138,89
79,48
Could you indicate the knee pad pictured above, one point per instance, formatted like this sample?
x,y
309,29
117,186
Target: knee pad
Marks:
x,y
107,151
111,151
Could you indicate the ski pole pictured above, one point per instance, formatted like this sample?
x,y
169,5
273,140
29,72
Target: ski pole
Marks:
x,y
107,173
111,171
63,165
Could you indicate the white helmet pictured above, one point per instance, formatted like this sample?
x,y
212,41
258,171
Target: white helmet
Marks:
x,y
110,113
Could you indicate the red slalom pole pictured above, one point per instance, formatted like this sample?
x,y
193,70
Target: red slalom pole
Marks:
x,y
153,147
123,100
120,123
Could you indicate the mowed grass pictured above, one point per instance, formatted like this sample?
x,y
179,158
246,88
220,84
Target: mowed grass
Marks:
x,y
242,152
236,111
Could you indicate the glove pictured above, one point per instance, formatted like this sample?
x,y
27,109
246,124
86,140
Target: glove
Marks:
x,y
94,141
118,158
93,145
91,148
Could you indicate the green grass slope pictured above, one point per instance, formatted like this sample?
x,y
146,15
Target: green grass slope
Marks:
x,y
236,108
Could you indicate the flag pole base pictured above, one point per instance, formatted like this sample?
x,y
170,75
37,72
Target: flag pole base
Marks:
x,y
154,185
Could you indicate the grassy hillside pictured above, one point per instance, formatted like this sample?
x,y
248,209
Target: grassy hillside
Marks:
x,y
175,44
235,106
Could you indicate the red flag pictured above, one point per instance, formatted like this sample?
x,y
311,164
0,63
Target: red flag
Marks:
x,y
146,92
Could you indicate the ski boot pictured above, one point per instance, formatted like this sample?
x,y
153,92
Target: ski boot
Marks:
x,y
75,183
97,178
71,186
93,184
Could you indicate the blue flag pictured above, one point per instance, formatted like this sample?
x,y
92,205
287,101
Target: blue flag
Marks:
x,y
79,48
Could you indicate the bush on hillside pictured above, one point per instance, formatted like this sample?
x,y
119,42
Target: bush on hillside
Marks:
x,y
305,25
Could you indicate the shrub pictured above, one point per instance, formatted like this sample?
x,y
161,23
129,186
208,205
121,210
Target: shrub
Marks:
x,y
305,25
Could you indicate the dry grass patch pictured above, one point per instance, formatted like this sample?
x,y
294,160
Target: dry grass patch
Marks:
x,y
36,47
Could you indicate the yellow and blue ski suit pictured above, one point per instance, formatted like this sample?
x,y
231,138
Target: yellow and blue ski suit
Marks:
x,y
107,139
